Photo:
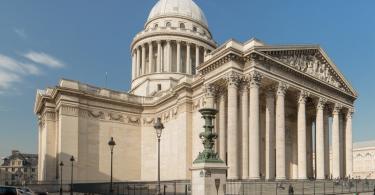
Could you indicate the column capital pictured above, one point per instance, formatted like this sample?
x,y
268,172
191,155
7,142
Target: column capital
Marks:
x,y
212,90
158,41
321,104
232,79
178,41
270,91
244,86
143,46
255,79
150,43
350,113
337,109
302,98
282,88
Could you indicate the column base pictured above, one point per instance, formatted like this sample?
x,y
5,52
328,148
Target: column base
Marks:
x,y
254,178
280,178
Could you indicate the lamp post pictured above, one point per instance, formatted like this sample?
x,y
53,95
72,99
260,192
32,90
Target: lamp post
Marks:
x,y
71,175
159,128
61,176
111,145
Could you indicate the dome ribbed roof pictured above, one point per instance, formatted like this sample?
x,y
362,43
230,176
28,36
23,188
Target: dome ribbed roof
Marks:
x,y
183,8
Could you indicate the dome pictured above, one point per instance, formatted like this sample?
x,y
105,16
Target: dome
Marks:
x,y
182,8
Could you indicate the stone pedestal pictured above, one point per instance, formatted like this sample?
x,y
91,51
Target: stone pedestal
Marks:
x,y
208,178
208,171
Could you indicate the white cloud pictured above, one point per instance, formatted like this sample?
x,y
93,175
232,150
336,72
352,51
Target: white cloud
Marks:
x,y
21,33
9,64
7,79
44,59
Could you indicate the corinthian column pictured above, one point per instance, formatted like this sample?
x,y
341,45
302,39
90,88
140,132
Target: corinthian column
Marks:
x,y
169,55
270,134
178,58
134,61
188,64
320,171
143,59
222,127
138,67
336,142
302,152
254,131
280,132
150,57
158,63
245,130
233,149
196,56
349,143
326,143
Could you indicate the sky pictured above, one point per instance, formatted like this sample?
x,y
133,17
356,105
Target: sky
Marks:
x,y
43,41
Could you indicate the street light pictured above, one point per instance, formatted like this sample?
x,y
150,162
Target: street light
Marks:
x,y
61,175
111,145
159,128
71,175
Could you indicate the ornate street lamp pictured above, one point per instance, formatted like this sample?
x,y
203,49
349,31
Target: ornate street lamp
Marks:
x,y
159,128
71,175
111,145
61,176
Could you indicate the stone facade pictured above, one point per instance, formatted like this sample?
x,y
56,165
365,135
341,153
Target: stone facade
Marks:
x,y
19,169
269,98
364,160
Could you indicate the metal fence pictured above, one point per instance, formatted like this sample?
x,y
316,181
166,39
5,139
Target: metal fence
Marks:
x,y
135,188
299,187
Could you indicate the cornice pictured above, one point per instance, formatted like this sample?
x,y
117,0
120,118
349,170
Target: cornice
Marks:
x,y
146,35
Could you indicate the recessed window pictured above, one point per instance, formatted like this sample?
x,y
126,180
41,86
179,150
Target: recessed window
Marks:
x,y
159,87
168,24
156,25
195,29
182,26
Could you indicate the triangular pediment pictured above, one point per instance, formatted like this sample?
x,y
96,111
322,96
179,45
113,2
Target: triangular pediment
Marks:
x,y
312,61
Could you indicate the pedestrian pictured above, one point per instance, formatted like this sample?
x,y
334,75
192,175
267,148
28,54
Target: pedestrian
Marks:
x,y
291,190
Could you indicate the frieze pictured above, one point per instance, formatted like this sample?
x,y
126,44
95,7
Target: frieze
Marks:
x,y
109,116
116,117
69,110
310,63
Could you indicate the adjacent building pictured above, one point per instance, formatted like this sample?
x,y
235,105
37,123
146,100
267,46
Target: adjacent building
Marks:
x,y
364,160
19,168
271,99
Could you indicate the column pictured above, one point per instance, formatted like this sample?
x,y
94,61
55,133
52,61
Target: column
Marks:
x,y
301,136
196,56
178,59
245,130
270,134
232,134
150,57
342,145
319,154
168,60
349,143
309,144
138,62
158,60
188,64
222,127
205,51
280,132
143,59
254,131
326,144
134,61
336,142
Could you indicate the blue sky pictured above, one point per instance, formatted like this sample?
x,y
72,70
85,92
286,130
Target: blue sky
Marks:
x,y
43,41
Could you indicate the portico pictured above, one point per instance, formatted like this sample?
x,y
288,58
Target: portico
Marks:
x,y
276,120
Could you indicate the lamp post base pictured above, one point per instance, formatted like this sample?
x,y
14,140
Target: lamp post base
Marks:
x,y
208,178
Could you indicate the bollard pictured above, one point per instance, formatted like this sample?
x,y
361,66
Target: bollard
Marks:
x,y
186,189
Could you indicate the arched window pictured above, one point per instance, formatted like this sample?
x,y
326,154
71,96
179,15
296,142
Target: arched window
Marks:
x,y
168,24
156,25
195,29
182,26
